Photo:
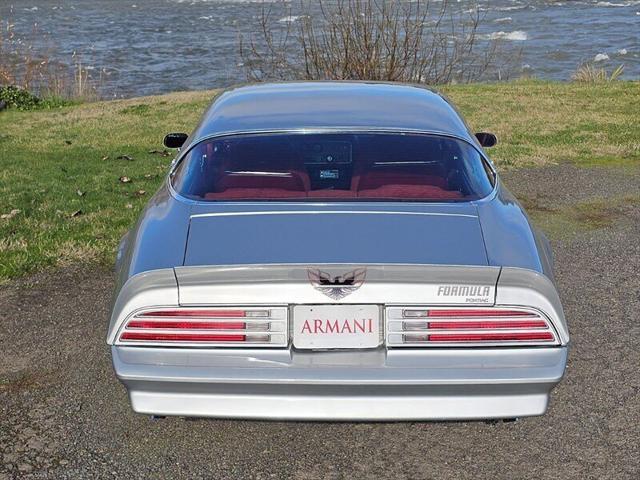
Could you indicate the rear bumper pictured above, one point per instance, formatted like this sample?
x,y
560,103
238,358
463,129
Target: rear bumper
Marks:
x,y
403,384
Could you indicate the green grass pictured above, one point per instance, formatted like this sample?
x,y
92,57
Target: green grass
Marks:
x,y
538,123
60,167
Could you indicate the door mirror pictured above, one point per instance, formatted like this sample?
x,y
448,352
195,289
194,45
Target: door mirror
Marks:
x,y
175,140
486,139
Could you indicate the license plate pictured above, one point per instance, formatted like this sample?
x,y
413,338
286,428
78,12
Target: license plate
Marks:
x,y
336,326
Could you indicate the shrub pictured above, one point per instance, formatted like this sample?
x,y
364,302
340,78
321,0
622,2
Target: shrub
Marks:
x,y
390,40
21,99
16,97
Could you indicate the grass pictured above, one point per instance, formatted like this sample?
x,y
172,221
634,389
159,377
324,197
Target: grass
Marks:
x,y
539,123
64,202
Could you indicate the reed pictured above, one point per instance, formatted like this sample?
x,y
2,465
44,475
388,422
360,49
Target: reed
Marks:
x,y
35,71
588,73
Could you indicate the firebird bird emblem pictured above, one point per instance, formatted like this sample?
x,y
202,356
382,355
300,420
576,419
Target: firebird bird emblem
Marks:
x,y
337,287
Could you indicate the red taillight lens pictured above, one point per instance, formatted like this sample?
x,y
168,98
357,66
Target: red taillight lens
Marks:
x,y
438,326
202,313
473,313
207,326
481,325
187,325
490,337
182,337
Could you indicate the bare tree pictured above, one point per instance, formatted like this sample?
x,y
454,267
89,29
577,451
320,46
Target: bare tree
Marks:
x,y
392,40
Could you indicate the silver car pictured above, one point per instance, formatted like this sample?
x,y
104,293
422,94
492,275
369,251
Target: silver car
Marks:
x,y
336,251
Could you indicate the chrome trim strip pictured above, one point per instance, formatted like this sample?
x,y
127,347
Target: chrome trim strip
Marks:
x,y
332,212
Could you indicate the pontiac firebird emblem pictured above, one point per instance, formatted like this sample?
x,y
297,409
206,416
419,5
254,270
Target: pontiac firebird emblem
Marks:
x,y
337,287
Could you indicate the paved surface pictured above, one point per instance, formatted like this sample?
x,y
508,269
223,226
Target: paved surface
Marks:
x,y
63,415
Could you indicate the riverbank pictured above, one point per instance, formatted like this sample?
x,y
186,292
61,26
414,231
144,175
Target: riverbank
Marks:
x,y
149,47
73,179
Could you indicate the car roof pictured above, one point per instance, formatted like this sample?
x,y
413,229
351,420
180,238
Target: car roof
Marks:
x,y
330,105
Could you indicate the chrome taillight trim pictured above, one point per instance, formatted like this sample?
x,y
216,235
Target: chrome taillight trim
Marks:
x,y
269,327
413,329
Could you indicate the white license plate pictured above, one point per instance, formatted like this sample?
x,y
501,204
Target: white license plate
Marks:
x,y
336,326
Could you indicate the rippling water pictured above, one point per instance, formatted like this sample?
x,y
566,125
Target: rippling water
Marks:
x,y
153,46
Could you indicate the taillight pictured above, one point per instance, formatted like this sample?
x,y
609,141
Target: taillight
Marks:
x,y
200,326
438,327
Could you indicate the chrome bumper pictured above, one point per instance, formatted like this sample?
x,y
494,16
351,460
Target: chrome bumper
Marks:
x,y
401,384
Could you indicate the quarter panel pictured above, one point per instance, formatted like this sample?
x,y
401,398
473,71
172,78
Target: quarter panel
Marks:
x,y
508,236
517,286
152,288
159,238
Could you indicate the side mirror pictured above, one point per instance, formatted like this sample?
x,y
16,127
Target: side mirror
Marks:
x,y
175,140
486,139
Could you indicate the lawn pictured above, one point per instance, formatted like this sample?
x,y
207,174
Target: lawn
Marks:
x,y
73,179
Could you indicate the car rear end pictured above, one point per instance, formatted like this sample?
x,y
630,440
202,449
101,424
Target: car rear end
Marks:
x,y
339,341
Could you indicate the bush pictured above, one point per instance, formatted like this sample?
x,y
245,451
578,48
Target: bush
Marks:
x,y
16,97
21,99
394,40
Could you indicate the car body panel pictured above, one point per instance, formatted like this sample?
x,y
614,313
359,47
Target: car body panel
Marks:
x,y
509,238
385,284
250,253
157,240
347,106
452,384
335,236
388,284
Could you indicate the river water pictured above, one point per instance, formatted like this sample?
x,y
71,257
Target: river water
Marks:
x,y
141,47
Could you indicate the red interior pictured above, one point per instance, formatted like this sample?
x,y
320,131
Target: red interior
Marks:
x,y
385,191
373,185
373,180
328,193
244,193
332,167
409,191
292,180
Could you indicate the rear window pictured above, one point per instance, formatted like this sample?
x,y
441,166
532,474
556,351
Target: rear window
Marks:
x,y
333,167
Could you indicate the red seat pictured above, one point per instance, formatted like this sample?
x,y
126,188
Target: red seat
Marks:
x,y
330,193
371,180
416,192
251,193
291,180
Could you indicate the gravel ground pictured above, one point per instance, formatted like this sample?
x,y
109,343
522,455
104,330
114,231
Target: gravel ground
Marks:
x,y
63,414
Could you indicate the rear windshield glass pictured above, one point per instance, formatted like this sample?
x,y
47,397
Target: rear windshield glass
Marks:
x,y
334,167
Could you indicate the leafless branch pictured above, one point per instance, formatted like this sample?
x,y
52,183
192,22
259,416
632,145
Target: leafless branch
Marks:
x,y
389,40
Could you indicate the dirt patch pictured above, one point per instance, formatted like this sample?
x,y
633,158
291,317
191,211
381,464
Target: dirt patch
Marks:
x,y
25,380
559,222
560,185
565,200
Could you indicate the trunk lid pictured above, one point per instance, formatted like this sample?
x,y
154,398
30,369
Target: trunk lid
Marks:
x,y
437,235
